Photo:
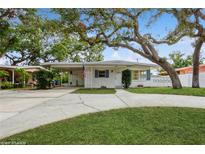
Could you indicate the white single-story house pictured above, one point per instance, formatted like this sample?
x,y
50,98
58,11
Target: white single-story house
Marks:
x,y
103,73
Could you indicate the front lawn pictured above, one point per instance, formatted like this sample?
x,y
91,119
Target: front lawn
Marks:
x,y
95,91
151,125
169,90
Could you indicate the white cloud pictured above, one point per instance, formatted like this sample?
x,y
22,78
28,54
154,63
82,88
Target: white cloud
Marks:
x,y
115,56
126,55
2,61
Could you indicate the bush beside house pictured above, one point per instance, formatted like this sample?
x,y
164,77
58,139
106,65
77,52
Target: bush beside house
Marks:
x,y
3,74
23,77
44,79
126,78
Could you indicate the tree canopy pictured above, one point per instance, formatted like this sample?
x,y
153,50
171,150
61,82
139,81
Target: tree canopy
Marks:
x,y
34,39
180,60
191,24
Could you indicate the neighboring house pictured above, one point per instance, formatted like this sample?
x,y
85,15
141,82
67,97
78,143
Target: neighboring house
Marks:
x,y
189,69
102,74
13,75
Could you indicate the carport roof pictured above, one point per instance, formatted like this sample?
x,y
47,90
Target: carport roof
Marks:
x,y
99,63
25,67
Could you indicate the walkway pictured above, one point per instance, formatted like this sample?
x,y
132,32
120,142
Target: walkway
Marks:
x,y
27,109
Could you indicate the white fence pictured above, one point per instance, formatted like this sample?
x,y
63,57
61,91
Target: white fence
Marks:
x,y
186,80
164,81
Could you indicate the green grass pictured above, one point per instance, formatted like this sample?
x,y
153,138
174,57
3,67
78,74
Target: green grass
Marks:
x,y
169,90
95,91
152,125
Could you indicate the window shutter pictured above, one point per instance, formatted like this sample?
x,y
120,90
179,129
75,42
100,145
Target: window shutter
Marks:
x,y
96,73
148,75
107,73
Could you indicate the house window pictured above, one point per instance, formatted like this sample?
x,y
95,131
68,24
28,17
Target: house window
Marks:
x,y
139,75
135,75
101,73
143,75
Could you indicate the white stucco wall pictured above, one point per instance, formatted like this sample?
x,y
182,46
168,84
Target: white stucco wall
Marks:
x,y
114,80
76,78
164,81
154,82
186,80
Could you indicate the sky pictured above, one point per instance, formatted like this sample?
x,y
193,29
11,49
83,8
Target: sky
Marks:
x,y
159,29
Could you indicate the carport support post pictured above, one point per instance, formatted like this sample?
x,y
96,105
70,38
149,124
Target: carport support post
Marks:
x,y
61,77
91,78
13,76
68,77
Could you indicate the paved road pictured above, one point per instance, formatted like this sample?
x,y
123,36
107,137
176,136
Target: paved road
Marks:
x,y
26,109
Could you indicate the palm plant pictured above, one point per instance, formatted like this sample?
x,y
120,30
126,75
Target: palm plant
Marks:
x,y
3,74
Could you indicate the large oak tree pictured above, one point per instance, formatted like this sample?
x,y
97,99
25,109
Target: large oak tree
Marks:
x,y
7,39
191,24
39,39
116,28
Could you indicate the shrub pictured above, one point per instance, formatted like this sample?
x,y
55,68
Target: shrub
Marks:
x,y
126,78
103,87
3,74
65,78
17,85
24,76
6,85
44,79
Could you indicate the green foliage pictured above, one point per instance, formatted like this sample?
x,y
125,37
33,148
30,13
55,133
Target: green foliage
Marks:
x,y
5,31
8,18
3,74
29,41
70,48
57,75
65,77
126,78
24,76
6,85
44,79
178,59
33,39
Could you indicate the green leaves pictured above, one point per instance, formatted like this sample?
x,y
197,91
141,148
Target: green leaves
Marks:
x,y
3,74
24,76
178,59
126,78
44,79
30,39
72,49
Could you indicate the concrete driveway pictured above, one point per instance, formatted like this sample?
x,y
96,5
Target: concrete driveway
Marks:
x,y
26,109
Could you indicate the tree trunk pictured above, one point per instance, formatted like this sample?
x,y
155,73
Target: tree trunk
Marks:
x,y
176,83
196,58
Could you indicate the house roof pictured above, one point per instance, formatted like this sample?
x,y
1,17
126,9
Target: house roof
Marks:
x,y
188,67
99,63
25,67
